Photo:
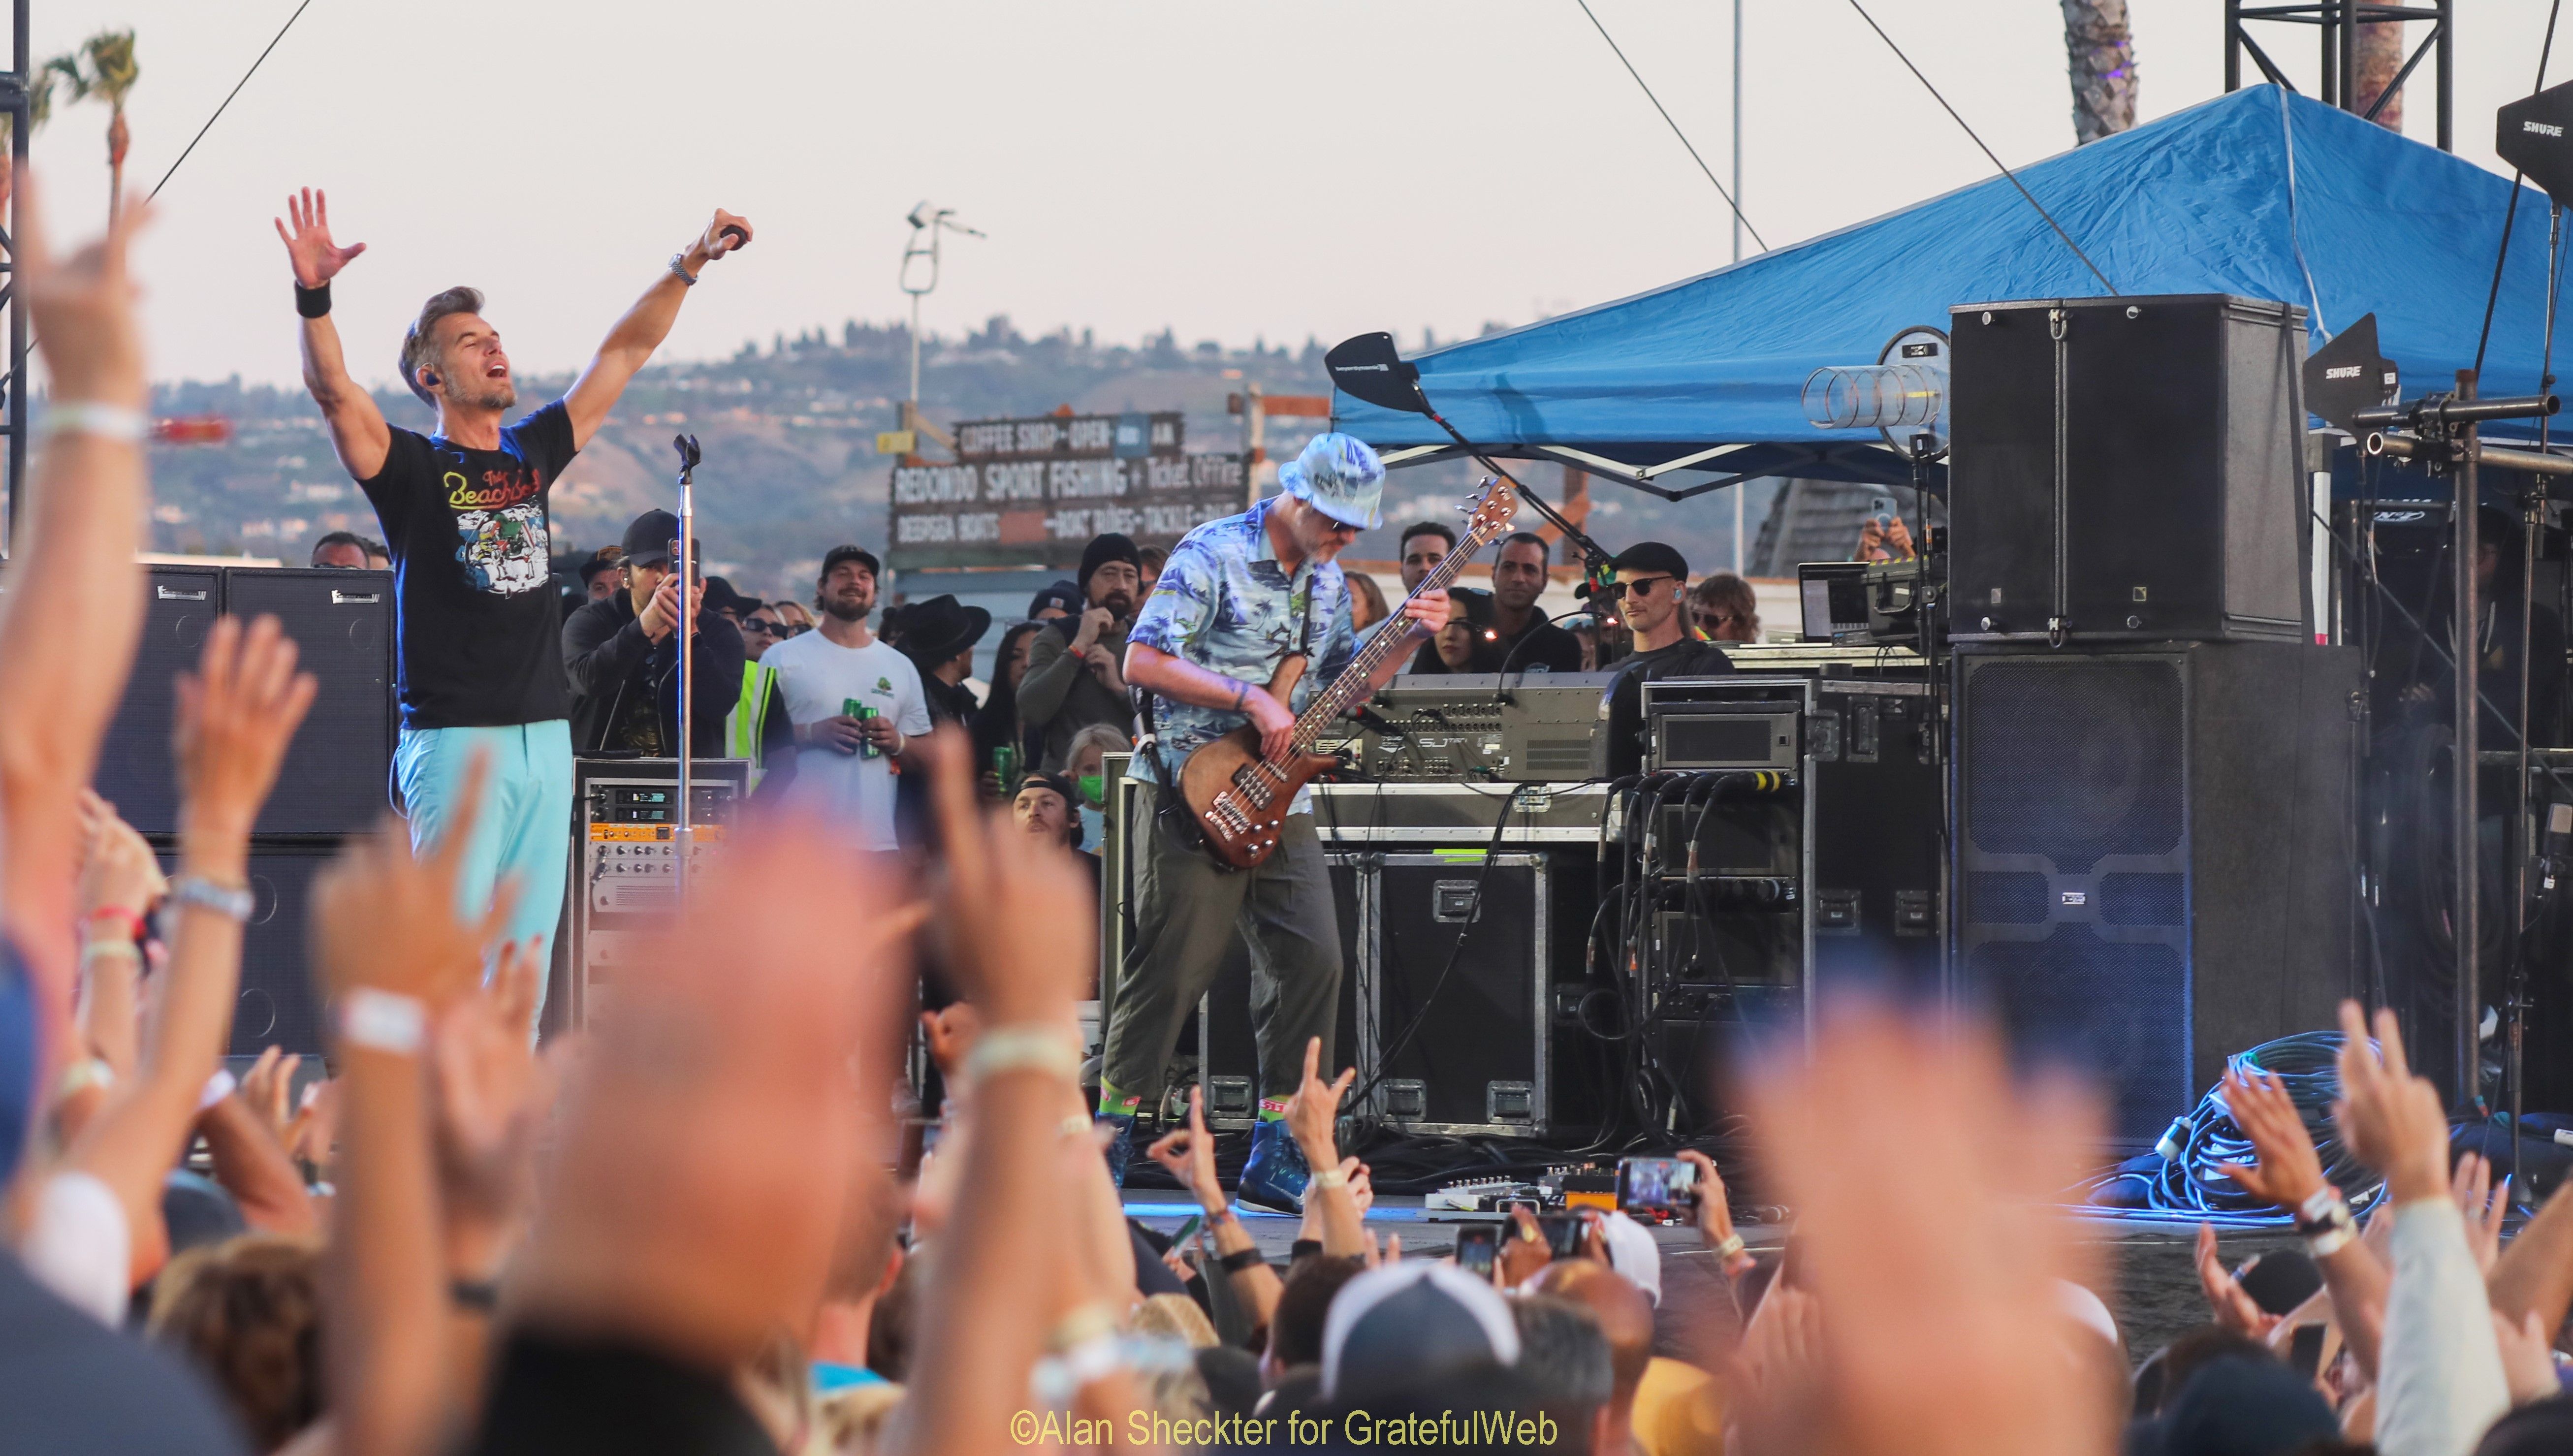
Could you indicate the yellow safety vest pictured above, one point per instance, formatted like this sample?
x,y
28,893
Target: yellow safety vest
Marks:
x,y
743,724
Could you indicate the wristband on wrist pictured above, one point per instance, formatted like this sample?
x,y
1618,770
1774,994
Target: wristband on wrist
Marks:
x,y
1241,694
1328,1177
218,1086
482,1297
1039,1048
1056,1379
313,303
108,951
1732,1245
1240,1259
232,902
1302,1246
384,1020
117,423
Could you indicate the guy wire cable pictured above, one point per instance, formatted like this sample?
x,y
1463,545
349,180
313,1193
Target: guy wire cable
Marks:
x,y
1674,126
228,100
2511,214
1987,150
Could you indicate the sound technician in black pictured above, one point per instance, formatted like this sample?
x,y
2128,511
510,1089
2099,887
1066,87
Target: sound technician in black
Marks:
x,y
621,655
2498,652
1652,582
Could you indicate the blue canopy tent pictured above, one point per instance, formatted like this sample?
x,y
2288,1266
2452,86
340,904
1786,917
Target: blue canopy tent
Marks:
x,y
2262,193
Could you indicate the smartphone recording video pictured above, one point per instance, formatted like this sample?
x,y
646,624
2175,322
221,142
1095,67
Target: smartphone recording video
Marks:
x,y
1656,1185
1477,1246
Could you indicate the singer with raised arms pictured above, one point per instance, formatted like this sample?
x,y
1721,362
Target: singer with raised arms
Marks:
x,y
478,631
1239,602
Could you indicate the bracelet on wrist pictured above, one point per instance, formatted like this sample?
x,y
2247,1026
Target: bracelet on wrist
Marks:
x,y
1731,1246
479,1296
1240,1259
313,303
679,268
233,902
119,422
384,1020
108,951
1328,1177
1040,1047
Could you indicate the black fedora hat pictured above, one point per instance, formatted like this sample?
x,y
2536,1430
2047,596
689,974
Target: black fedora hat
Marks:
x,y
940,627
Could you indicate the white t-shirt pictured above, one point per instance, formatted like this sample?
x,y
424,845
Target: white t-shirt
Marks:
x,y
818,676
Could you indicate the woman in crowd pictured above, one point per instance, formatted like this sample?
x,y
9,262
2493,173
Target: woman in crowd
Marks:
x,y
998,723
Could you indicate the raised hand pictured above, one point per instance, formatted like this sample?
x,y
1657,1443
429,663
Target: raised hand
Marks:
x,y
1020,914
82,307
710,1135
1934,1328
1312,1113
268,1089
2389,1117
488,1103
386,920
2227,1302
118,874
2483,1204
715,243
1715,1211
2287,1173
317,259
237,713
1187,1154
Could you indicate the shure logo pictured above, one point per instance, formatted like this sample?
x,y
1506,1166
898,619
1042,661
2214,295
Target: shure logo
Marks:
x,y
2541,128
2345,372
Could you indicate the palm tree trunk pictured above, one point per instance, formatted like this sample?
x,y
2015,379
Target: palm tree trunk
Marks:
x,y
2102,53
117,141
2380,55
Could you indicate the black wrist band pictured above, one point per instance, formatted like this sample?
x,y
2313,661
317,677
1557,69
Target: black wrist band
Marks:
x,y
312,302
1303,1247
481,1295
1240,1259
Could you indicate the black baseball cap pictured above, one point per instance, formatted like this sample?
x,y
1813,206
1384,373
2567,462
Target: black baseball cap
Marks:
x,y
649,540
1062,594
859,555
721,596
1652,556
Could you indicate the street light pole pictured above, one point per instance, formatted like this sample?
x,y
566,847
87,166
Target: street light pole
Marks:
x,y
928,226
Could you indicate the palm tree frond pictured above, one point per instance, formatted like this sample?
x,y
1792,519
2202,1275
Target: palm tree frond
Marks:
x,y
113,70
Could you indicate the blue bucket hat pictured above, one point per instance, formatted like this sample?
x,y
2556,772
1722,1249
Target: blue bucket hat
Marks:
x,y
1338,475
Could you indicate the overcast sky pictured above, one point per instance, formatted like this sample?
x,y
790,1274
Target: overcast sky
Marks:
x,y
1228,170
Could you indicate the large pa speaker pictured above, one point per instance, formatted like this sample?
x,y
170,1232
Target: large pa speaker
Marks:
x,y
134,770
2128,469
279,1002
2155,856
333,780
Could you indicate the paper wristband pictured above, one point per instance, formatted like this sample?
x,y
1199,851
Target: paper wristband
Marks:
x,y
107,422
382,1021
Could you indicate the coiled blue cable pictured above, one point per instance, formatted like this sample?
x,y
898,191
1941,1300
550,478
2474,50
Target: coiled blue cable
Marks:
x,y
2196,1147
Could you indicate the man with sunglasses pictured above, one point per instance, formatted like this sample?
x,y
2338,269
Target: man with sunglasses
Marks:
x,y
1652,596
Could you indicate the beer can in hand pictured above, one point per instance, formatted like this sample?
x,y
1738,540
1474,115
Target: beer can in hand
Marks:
x,y
852,708
1005,766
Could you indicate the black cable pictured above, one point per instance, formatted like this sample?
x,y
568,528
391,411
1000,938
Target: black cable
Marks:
x,y
1987,150
228,100
1674,126
2511,213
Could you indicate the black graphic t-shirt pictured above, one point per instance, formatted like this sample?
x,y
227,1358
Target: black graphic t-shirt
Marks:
x,y
477,630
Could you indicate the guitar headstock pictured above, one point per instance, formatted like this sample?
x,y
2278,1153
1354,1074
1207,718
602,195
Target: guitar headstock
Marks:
x,y
1492,510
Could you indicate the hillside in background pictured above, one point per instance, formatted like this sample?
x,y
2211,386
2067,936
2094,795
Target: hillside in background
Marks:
x,y
789,436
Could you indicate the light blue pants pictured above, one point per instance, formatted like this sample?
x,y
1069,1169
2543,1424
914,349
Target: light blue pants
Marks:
x,y
525,830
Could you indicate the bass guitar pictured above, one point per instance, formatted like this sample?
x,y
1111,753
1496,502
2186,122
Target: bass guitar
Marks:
x,y
1238,794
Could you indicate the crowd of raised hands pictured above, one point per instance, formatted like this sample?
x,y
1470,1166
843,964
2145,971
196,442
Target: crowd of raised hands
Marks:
x,y
687,1227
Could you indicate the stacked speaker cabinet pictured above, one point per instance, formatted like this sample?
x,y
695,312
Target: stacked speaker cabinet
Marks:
x,y
2128,469
2155,856
334,779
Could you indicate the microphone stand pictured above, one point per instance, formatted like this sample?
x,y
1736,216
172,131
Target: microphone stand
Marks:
x,y
682,829
1594,557
2532,520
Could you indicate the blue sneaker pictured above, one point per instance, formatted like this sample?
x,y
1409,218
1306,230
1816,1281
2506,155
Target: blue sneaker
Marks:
x,y
1275,1175
1121,1144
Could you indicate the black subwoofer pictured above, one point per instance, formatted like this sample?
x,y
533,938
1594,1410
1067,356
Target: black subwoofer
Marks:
x,y
2155,856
